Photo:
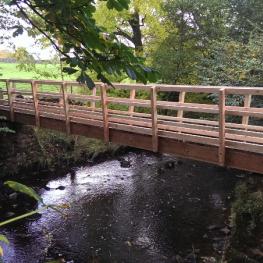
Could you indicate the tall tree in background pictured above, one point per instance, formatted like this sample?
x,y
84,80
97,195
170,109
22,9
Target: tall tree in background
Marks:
x,y
190,27
246,18
135,25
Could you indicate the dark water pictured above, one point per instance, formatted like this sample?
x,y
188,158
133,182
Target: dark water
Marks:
x,y
139,214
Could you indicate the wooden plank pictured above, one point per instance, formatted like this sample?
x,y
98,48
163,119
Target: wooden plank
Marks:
x,y
244,146
84,98
49,94
133,129
244,111
104,102
180,113
154,119
207,153
192,107
132,97
93,103
129,102
34,87
9,87
66,107
222,120
189,138
247,102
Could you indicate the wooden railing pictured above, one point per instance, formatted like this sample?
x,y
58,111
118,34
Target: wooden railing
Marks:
x,y
150,116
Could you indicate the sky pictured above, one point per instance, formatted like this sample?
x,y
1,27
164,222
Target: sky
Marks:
x,y
29,43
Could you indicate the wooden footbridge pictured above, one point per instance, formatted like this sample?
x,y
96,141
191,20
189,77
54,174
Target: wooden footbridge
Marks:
x,y
213,133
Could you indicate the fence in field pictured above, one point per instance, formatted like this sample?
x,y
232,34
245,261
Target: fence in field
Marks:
x,y
215,133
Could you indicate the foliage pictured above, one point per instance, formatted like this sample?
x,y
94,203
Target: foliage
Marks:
x,y
73,31
18,187
189,26
247,19
247,213
23,189
27,63
232,63
3,128
137,25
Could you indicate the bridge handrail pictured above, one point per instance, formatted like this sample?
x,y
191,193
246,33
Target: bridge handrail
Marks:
x,y
155,124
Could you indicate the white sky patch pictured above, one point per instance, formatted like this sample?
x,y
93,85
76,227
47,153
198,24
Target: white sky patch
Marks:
x,y
30,44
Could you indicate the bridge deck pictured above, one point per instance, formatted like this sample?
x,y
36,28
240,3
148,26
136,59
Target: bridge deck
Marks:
x,y
225,137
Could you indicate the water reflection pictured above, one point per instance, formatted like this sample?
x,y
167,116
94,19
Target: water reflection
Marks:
x,y
134,214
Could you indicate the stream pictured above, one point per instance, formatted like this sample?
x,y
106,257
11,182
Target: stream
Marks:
x,y
157,209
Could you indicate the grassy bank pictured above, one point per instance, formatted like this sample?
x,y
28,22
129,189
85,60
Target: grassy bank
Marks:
x,y
246,243
34,151
11,70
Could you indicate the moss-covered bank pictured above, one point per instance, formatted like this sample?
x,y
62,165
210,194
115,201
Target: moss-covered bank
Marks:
x,y
246,241
34,151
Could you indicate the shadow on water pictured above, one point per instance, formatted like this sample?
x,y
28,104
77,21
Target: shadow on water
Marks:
x,y
152,211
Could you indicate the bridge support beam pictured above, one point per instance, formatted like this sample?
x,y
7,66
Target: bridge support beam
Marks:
x,y
9,87
66,106
222,127
154,119
34,87
104,105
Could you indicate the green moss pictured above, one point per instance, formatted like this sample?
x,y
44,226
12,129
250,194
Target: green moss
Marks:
x,y
247,214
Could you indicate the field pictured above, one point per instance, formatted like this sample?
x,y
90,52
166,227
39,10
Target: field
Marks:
x,y
10,70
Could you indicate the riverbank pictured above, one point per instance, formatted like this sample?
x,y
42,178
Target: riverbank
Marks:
x,y
159,208
37,151
32,155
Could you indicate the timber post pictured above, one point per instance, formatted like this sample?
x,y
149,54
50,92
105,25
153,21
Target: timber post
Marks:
x,y
66,106
154,119
34,87
104,105
222,124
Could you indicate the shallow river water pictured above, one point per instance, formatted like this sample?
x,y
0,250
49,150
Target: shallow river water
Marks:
x,y
148,212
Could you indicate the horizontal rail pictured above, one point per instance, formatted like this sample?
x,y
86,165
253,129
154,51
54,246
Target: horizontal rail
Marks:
x,y
97,110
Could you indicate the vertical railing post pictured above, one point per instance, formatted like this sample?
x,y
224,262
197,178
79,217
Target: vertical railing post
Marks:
x,y
103,91
154,119
180,113
9,88
132,97
93,103
222,123
36,102
247,102
66,106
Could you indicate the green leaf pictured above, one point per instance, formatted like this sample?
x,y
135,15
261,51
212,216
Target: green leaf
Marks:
x,y
4,239
18,31
69,70
131,73
23,189
84,78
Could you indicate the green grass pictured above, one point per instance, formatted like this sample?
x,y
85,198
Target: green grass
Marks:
x,y
10,70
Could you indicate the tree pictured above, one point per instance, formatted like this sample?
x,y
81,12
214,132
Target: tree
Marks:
x,y
190,27
232,63
135,25
246,18
73,31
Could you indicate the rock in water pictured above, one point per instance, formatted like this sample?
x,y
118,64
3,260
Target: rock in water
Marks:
x,y
61,187
124,163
